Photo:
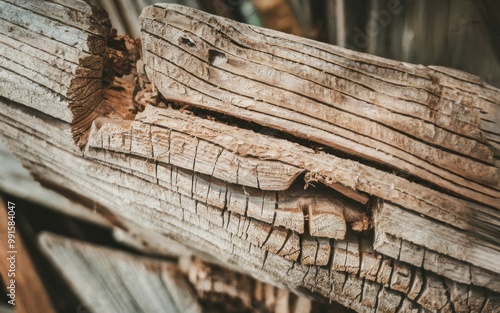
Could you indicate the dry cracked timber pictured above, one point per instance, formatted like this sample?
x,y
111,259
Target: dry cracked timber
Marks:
x,y
400,161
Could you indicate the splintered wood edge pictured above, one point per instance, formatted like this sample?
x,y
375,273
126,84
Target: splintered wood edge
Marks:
x,y
183,65
123,140
286,245
82,83
157,123
314,252
272,207
151,144
138,200
404,225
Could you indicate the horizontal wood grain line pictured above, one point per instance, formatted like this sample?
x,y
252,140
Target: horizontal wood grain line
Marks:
x,y
262,39
177,91
343,108
223,79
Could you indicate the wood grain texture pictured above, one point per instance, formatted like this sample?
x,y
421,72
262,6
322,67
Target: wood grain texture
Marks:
x,y
396,157
62,77
320,104
390,218
107,280
138,201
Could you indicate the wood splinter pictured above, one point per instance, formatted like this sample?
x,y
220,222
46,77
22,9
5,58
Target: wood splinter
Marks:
x,y
421,140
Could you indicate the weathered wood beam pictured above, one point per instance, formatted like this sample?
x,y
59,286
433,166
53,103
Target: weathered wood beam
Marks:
x,y
388,218
192,166
202,59
107,280
62,77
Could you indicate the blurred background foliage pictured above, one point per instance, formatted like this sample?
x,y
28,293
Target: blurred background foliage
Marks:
x,y
463,34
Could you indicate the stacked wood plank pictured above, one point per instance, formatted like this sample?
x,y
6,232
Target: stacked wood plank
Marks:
x,y
114,281
107,280
382,196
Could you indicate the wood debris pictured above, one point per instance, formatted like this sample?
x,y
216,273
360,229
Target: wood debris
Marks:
x,y
383,195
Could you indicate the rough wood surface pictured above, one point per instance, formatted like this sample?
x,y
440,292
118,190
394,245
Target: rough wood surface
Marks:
x,y
108,280
61,77
114,281
311,98
401,209
461,246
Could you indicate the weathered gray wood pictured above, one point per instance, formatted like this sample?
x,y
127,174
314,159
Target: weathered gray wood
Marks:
x,y
385,185
326,215
62,77
185,63
114,281
459,245
253,144
435,262
233,195
17,181
186,229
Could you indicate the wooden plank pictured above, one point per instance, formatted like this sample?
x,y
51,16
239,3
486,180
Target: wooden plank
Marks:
x,y
289,250
442,239
18,182
91,271
190,153
327,215
41,24
430,260
80,17
37,73
211,184
380,183
249,36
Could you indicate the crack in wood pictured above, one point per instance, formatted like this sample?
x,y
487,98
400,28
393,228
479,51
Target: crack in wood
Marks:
x,y
233,195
